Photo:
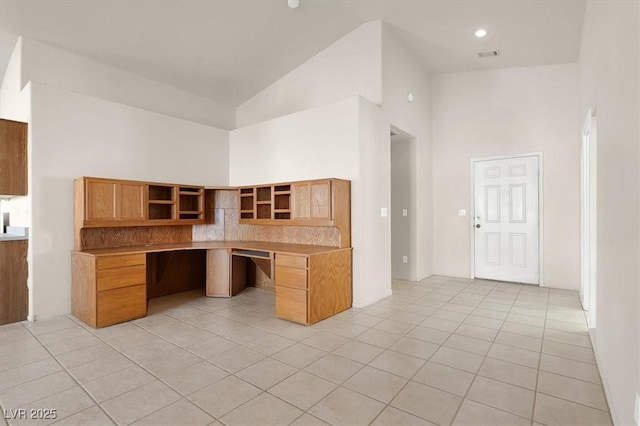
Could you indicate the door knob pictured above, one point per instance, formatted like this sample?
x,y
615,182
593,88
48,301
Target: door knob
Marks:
x,y
478,226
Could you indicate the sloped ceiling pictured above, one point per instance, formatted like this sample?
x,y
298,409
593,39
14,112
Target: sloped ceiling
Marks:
x,y
230,50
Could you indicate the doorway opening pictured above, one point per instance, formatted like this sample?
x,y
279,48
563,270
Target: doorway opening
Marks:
x,y
588,219
507,221
403,205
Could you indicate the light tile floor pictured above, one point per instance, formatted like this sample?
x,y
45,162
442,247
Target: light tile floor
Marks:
x,y
442,351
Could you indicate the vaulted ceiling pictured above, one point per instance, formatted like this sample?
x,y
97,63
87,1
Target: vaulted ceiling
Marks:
x,y
229,50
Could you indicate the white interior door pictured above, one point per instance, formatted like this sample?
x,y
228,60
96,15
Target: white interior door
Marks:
x,y
506,220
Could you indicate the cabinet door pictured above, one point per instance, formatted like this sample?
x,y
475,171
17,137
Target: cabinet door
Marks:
x,y
131,200
13,158
14,294
100,198
300,201
320,195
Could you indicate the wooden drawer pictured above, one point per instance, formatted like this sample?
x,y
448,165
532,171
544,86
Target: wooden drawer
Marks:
x,y
121,304
291,304
110,262
108,279
292,261
292,277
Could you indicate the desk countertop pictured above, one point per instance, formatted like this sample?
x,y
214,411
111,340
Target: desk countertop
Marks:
x,y
303,249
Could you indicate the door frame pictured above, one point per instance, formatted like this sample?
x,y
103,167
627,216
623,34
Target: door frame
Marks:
x,y
472,234
588,218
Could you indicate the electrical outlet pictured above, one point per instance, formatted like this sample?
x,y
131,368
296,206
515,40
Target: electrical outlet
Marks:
x,y
405,212
462,212
384,212
636,411
405,259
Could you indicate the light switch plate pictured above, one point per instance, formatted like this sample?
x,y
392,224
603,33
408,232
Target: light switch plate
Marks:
x,y
462,212
405,259
405,212
384,212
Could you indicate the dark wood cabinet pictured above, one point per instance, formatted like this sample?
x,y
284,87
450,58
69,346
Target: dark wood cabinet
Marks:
x,y
14,294
13,158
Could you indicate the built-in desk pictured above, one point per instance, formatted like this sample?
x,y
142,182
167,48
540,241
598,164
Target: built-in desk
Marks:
x,y
312,282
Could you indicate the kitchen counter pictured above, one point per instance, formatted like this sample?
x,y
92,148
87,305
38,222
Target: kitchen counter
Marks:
x,y
15,233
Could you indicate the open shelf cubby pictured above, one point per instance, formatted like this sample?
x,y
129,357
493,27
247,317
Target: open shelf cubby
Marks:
x,y
263,193
161,193
160,211
281,201
246,202
263,211
189,202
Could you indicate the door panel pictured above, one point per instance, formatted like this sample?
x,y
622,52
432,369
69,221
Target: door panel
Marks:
x,y
517,210
518,250
506,219
321,200
492,204
101,200
132,201
492,253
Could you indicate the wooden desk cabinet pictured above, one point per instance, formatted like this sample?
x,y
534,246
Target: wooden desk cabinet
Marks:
x,y
107,290
111,270
310,288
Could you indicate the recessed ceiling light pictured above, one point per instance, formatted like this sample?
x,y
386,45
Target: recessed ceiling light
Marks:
x,y
480,32
293,3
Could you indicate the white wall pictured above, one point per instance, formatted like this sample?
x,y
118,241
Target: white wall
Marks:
x,y
280,149
503,112
350,66
609,80
373,186
402,73
60,68
76,135
340,140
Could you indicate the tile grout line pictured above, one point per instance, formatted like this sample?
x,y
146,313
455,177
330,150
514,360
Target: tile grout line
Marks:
x,y
535,393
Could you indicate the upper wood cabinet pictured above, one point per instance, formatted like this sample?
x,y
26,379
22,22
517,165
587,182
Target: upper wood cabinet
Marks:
x,y
103,202
109,200
293,203
322,202
311,200
13,158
